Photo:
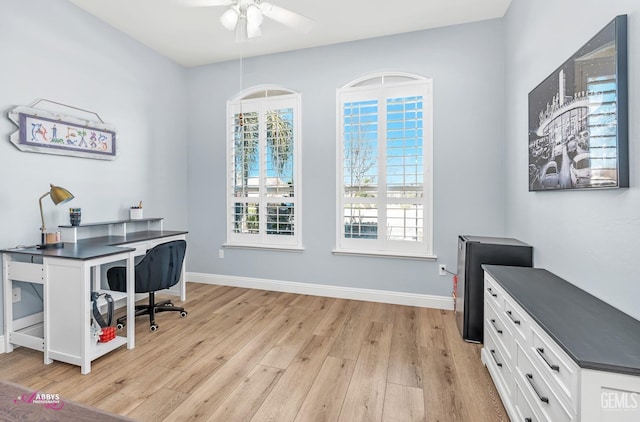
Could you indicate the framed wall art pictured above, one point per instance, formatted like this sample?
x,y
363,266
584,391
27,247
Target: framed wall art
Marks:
x,y
52,133
578,118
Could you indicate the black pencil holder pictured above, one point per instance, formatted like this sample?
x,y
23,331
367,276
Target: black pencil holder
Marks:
x,y
74,216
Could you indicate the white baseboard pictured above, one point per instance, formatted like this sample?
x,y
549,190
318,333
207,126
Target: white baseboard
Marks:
x,y
2,348
383,296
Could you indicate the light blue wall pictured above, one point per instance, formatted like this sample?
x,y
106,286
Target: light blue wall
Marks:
x,y
51,49
466,64
588,238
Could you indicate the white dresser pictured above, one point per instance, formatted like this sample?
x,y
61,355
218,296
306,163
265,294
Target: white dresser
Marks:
x,y
557,353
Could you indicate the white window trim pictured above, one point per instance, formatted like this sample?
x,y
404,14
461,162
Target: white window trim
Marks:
x,y
384,254
263,240
419,250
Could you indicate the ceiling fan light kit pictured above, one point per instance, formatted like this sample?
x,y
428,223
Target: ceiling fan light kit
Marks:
x,y
254,15
253,30
246,16
229,18
254,20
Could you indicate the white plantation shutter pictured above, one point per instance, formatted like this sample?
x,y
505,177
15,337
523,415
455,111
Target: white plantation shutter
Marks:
x,y
264,163
384,168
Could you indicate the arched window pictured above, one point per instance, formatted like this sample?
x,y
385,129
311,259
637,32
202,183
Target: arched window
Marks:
x,y
384,152
263,142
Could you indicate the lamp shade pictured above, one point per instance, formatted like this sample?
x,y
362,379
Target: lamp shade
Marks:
x,y
229,19
254,20
60,195
254,15
253,30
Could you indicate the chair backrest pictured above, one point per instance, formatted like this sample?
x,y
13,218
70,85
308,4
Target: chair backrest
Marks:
x,y
161,267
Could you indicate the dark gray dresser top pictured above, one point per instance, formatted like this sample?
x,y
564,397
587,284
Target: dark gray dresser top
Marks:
x,y
593,333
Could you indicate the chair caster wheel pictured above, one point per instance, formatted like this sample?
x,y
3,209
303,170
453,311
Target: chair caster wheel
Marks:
x,y
154,327
120,326
183,314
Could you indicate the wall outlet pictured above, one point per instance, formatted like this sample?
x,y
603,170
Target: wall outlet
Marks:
x,y
17,294
442,269
221,253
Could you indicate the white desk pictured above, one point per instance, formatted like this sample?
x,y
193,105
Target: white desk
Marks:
x,y
68,275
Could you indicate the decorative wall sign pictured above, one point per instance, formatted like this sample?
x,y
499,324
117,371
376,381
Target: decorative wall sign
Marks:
x,y
52,133
578,118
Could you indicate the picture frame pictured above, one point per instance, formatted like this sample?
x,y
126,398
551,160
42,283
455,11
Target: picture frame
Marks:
x,y
578,118
47,132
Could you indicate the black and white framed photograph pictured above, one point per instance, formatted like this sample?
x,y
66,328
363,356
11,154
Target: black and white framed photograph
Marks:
x,y
578,118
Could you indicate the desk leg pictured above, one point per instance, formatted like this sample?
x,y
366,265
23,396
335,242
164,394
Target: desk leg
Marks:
x,y
8,305
97,283
46,310
183,284
86,288
131,294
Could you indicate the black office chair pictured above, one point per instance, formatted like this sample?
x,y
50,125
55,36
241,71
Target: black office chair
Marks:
x,y
160,269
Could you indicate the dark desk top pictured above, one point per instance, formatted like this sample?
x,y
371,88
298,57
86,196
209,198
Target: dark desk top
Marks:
x,y
73,251
593,333
96,247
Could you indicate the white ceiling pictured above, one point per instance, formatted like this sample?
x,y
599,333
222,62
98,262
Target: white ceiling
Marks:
x,y
193,36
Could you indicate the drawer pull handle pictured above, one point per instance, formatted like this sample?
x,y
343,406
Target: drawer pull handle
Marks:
x,y
491,292
515,321
535,389
540,351
493,322
493,353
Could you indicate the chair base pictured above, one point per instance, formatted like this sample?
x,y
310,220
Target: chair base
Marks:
x,y
151,309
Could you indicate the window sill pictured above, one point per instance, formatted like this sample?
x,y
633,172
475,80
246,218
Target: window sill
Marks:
x,y
283,248
382,254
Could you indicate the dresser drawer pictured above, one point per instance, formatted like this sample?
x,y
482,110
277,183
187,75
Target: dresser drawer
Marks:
x,y
495,325
543,398
493,293
523,407
498,366
554,364
518,320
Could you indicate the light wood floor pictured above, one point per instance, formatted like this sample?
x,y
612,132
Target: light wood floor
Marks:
x,y
253,355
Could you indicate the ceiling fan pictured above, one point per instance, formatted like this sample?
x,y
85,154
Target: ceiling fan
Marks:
x,y
246,16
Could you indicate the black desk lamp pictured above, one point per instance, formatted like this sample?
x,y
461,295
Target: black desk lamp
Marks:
x,y
58,196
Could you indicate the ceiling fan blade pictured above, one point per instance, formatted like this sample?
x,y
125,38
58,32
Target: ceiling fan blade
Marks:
x,y
206,3
286,17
